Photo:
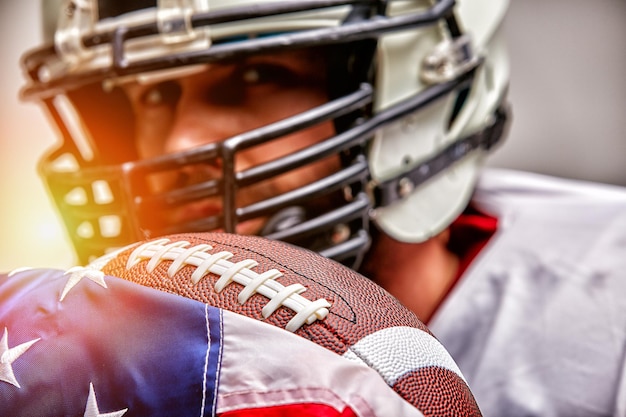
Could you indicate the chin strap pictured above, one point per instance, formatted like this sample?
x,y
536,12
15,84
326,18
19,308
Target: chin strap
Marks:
x,y
394,189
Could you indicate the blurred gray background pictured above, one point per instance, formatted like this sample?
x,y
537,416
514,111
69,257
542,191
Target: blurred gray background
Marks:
x,y
568,89
568,93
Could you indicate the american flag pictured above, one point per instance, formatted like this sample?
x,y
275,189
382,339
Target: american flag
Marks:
x,y
80,343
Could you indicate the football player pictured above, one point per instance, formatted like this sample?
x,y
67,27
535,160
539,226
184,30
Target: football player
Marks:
x,y
357,129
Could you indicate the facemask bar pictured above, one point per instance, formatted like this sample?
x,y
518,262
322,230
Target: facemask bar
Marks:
x,y
42,61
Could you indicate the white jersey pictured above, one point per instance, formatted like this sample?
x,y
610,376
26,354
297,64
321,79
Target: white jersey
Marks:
x,y
537,323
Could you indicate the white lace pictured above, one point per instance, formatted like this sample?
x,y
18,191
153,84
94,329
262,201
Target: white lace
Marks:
x,y
180,254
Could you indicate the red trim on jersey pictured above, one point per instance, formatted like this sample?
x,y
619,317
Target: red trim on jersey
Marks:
x,y
291,410
469,234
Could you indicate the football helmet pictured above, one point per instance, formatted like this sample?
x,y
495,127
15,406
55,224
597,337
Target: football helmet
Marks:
x,y
417,92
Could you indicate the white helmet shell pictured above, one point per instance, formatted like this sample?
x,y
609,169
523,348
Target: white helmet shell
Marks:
x,y
430,207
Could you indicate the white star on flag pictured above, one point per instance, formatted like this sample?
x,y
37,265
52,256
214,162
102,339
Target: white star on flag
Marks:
x,y
18,270
91,410
77,273
8,356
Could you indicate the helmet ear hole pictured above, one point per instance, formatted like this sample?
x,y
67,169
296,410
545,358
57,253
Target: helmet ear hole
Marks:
x,y
111,132
461,98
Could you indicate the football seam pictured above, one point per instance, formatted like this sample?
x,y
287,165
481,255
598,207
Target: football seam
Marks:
x,y
181,254
347,305
329,328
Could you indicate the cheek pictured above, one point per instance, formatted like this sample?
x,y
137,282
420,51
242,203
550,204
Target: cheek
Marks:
x,y
284,146
281,106
151,131
296,178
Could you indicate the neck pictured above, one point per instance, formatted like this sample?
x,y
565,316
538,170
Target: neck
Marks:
x,y
418,274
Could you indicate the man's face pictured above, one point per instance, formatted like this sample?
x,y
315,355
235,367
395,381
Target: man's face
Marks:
x,y
221,101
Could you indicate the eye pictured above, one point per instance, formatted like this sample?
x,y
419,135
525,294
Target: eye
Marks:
x,y
267,73
165,93
249,82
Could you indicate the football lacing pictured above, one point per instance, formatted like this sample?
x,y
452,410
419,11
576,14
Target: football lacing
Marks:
x,y
180,254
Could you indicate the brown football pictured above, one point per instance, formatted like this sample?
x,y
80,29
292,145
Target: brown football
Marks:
x,y
314,297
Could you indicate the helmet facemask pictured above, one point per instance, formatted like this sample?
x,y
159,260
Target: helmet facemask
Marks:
x,y
105,192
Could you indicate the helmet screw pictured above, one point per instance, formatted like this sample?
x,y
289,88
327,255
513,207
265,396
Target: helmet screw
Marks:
x,y
70,9
405,187
43,74
340,234
348,195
